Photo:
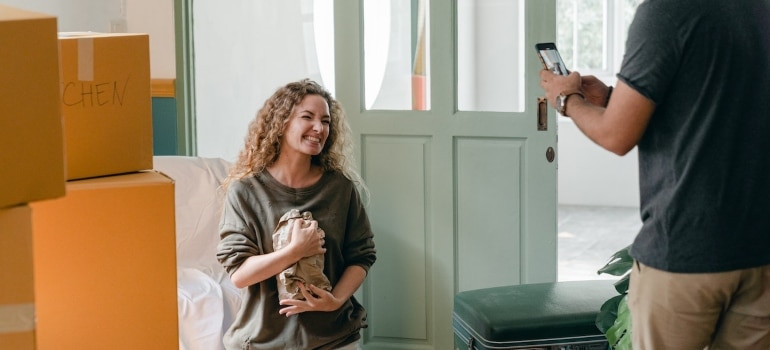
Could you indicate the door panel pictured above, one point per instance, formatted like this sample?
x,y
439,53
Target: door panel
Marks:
x,y
401,233
488,174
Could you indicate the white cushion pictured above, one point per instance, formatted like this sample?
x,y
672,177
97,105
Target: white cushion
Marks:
x,y
201,311
198,207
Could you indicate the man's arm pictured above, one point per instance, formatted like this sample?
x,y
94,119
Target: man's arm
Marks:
x,y
620,126
616,128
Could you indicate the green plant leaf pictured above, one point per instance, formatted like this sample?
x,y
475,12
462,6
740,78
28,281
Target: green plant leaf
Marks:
x,y
619,335
614,318
622,284
618,264
608,312
624,343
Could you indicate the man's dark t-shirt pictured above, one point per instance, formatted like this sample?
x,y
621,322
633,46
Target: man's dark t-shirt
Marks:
x,y
704,159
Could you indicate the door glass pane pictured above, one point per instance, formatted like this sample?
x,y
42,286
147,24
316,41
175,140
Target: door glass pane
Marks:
x,y
490,55
396,55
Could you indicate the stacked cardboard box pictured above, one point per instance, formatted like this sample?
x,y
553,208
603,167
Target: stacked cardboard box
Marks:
x,y
87,231
105,253
31,153
105,265
106,103
31,158
17,303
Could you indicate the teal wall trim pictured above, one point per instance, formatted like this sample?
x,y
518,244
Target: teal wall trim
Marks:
x,y
185,78
164,124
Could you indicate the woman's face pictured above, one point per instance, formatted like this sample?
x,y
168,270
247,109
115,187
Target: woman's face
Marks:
x,y
308,127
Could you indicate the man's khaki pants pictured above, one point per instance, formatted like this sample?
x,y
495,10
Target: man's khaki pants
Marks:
x,y
681,311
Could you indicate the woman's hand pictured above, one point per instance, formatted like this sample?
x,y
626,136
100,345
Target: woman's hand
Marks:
x,y
306,238
316,299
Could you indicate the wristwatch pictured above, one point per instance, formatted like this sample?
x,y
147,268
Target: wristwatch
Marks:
x,y
561,100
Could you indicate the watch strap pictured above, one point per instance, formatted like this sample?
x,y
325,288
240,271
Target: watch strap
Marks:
x,y
565,96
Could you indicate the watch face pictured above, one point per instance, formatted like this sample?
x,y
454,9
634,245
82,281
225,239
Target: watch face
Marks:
x,y
560,105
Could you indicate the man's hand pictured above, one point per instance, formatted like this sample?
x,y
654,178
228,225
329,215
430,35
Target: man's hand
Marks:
x,y
594,90
554,84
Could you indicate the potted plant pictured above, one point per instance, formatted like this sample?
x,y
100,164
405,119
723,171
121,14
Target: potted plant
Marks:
x,y
614,318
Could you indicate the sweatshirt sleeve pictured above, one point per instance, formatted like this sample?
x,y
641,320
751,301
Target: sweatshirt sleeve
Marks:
x,y
359,249
238,240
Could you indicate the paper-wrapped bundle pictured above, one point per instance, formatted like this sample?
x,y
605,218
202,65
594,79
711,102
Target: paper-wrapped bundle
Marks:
x,y
308,270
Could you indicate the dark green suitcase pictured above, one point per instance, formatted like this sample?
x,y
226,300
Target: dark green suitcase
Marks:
x,y
542,316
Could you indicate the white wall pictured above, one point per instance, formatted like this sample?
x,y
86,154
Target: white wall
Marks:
x,y
235,72
74,15
155,17
590,175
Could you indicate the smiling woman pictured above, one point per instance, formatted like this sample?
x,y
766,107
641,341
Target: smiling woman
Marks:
x,y
306,130
296,158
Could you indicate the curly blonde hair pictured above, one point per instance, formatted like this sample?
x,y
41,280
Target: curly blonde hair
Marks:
x,y
262,144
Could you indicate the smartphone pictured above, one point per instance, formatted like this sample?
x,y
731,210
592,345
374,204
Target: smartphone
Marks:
x,y
550,58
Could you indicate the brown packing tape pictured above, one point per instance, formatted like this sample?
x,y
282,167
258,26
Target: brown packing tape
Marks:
x,y
86,59
17,318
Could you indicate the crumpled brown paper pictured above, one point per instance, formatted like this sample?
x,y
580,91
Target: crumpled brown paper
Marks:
x,y
308,270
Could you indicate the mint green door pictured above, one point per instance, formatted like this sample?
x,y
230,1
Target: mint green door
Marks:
x,y
462,181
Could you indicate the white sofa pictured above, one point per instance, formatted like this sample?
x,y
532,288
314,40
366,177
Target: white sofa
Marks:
x,y
207,298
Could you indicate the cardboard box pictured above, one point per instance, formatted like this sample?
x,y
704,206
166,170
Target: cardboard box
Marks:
x,y
106,103
17,302
105,265
31,139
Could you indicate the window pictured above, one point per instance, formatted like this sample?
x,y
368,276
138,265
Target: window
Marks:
x,y
490,55
591,35
396,54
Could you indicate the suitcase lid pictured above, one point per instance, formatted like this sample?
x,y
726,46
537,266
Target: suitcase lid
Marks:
x,y
534,311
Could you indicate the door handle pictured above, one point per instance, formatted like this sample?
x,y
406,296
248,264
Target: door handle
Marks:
x,y
542,125
542,114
